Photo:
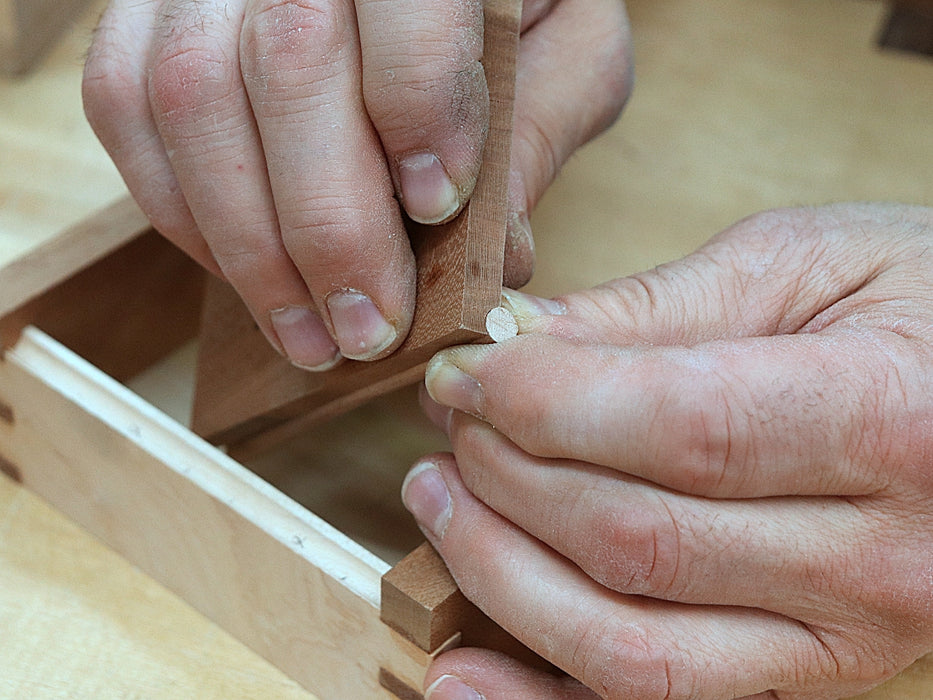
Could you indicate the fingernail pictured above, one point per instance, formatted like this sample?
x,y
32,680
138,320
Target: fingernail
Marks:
x,y
304,338
427,192
450,688
526,308
361,329
450,386
519,251
425,494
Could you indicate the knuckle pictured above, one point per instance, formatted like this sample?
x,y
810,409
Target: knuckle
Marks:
x,y
441,94
705,448
430,74
620,660
192,66
836,656
186,80
322,232
476,455
637,555
282,40
614,60
109,83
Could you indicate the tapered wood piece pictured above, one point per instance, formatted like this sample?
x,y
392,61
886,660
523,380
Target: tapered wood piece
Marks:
x,y
421,601
245,390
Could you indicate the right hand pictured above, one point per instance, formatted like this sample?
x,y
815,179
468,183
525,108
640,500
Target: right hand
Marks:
x,y
270,138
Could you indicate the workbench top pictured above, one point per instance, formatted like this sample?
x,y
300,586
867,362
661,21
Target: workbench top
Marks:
x,y
738,107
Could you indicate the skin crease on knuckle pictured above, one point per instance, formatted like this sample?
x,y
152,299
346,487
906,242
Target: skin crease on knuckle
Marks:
x,y
282,38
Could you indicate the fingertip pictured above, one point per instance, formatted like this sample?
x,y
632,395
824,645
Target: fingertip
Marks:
x,y
449,385
361,330
492,675
519,251
303,338
519,240
427,497
449,687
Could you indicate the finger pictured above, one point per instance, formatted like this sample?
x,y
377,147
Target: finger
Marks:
x,y
337,214
493,675
425,91
205,120
630,536
773,273
828,413
490,675
116,102
618,645
573,77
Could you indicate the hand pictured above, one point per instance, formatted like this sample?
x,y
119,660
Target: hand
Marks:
x,y
269,139
711,480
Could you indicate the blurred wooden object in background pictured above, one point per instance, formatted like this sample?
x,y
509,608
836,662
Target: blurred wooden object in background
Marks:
x,y
909,27
29,28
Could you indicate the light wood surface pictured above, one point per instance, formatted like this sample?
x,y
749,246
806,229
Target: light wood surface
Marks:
x,y
738,106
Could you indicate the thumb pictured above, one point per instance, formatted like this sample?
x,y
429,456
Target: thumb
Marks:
x,y
769,274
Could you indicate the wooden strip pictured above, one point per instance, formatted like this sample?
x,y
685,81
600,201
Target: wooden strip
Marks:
x,y
76,248
245,389
274,575
109,288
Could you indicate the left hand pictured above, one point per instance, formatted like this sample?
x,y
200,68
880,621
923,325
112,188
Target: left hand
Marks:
x,y
712,480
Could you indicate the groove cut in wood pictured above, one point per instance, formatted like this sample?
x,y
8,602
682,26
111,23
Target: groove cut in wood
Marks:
x,y
245,389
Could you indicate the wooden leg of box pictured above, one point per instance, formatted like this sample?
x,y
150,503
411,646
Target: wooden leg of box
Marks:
x,y
420,600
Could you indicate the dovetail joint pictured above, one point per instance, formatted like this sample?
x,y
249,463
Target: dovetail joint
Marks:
x,y
11,470
397,687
